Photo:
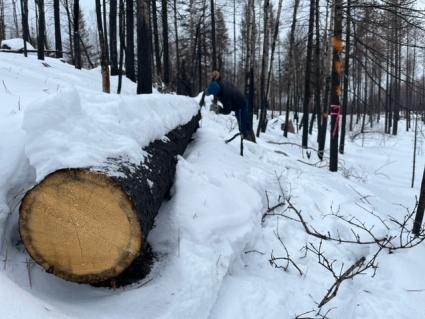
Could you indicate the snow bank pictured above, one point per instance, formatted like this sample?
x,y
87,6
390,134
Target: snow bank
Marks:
x,y
72,130
15,44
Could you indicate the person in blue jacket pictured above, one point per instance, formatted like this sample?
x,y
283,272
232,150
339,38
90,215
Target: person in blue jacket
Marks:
x,y
232,100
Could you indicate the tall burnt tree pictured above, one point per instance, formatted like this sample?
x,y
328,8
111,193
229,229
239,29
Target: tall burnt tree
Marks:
x,y
165,44
336,85
264,68
213,36
121,31
106,85
41,37
420,209
77,46
130,70
144,48
158,63
58,34
346,80
307,84
290,64
25,26
113,36
176,34
66,5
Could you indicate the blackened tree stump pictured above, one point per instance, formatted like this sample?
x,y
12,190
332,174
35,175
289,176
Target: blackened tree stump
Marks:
x,y
89,225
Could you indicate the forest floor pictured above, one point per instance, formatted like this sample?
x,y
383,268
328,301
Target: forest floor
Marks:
x,y
217,254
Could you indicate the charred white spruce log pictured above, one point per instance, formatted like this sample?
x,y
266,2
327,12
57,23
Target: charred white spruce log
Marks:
x,y
89,225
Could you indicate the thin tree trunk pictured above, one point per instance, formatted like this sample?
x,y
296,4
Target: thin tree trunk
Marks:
x,y
290,64
58,35
346,79
15,19
336,86
77,34
130,70
113,36
307,85
144,49
121,31
24,18
103,47
158,63
264,67
68,15
105,30
165,44
41,30
213,37
420,209
176,31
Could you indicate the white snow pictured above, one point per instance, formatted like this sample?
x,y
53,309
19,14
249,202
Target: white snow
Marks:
x,y
212,249
15,44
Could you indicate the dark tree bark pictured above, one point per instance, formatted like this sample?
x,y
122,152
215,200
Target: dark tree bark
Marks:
x,y
176,31
58,34
122,42
68,14
134,191
24,18
113,36
165,44
264,67
157,50
346,81
106,85
105,30
317,81
77,34
290,64
336,86
144,49
130,70
213,37
420,209
307,84
41,40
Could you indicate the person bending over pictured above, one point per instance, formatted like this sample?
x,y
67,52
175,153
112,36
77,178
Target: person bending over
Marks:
x,y
232,100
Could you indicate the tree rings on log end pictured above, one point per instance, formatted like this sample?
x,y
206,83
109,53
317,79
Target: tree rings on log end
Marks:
x,y
80,225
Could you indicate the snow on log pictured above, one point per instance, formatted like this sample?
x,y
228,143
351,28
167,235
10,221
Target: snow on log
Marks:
x,y
88,225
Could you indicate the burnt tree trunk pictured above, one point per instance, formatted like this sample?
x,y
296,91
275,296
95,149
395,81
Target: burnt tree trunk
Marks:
x,y
77,34
106,84
58,35
130,70
113,36
88,225
420,210
144,49
165,45
41,40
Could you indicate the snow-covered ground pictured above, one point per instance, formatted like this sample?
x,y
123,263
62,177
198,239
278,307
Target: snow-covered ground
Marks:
x,y
212,246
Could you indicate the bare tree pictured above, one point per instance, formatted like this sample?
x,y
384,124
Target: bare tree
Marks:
x,y
144,48
41,39
103,47
58,35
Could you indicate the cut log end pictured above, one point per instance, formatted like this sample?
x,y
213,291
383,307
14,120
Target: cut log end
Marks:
x,y
80,225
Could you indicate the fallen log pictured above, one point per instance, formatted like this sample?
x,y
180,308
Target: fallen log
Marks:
x,y
89,225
